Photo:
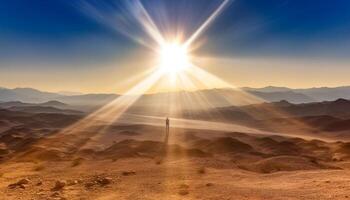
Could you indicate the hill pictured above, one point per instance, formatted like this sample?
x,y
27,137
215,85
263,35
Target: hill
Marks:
x,y
328,116
216,97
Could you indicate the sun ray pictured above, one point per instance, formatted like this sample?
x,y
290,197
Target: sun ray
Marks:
x,y
133,15
147,23
211,80
206,23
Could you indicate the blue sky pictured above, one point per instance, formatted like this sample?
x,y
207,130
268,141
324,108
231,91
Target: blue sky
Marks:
x,y
60,32
246,27
291,27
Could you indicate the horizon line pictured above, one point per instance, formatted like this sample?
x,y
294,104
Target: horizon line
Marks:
x,y
170,91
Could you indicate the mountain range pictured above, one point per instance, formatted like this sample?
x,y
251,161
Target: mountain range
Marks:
x,y
283,116
216,97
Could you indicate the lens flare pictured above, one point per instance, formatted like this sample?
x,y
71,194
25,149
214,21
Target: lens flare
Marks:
x,y
173,58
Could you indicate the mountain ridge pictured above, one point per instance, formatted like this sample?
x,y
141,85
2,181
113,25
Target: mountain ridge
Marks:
x,y
268,94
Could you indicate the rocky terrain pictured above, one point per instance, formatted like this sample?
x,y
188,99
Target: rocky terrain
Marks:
x,y
42,159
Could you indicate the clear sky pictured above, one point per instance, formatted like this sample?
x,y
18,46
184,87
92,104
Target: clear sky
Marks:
x,y
93,45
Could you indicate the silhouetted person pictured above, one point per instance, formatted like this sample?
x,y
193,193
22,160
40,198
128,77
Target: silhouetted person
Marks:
x,y
167,124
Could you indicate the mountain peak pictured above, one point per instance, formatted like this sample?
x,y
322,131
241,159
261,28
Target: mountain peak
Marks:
x,y
53,103
268,89
282,103
341,100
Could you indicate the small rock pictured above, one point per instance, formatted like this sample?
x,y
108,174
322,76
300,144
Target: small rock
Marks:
x,y
19,184
158,161
104,181
201,170
128,173
12,186
59,185
72,182
99,180
39,183
183,192
57,195
209,184
23,181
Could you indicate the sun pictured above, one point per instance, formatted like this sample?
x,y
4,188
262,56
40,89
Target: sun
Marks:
x,y
173,58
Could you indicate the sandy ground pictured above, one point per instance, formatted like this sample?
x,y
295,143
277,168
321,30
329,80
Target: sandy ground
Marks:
x,y
172,179
212,126
126,174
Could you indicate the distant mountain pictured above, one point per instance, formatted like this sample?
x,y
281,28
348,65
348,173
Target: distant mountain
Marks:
x,y
56,104
339,108
267,89
42,109
28,95
88,99
289,95
187,99
332,116
325,93
316,94
10,104
47,107
14,103
203,99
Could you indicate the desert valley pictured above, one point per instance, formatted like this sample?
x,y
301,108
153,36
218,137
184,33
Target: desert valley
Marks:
x,y
298,151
